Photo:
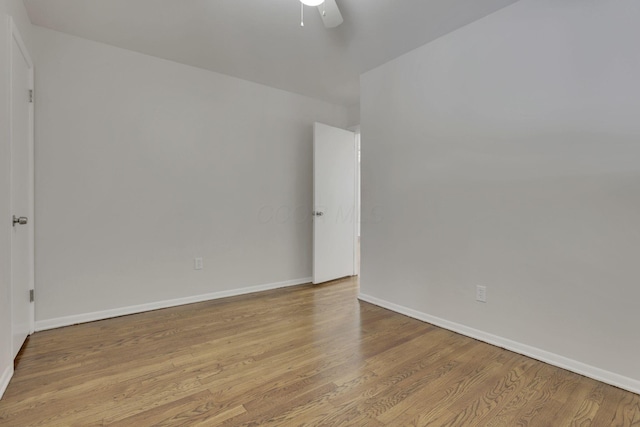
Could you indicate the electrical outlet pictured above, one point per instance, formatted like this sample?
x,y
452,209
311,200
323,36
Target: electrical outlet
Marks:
x,y
197,264
481,293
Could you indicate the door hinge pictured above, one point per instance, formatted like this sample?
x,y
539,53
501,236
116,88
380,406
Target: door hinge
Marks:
x,y
32,296
30,95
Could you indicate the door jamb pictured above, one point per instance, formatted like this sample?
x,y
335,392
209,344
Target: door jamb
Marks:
x,y
356,205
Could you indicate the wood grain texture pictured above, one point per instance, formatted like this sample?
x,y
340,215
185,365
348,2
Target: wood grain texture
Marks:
x,y
308,355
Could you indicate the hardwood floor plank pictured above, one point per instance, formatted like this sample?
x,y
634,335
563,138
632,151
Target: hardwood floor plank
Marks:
x,y
538,376
469,380
588,408
546,406
497,390
412,393
628,411
182,411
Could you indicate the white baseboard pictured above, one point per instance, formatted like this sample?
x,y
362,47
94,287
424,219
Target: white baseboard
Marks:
x,y
42,325
5,378
598,374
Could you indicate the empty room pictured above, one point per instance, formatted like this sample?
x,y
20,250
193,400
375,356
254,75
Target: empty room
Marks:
x,y
319,213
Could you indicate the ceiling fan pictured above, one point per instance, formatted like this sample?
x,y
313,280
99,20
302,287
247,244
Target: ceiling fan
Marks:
x,y
331,16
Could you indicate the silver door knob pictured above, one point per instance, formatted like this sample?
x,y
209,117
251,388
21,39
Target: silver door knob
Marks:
x,y
20,220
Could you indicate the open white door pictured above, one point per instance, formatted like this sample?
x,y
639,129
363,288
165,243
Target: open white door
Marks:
x,y
21,191
334,219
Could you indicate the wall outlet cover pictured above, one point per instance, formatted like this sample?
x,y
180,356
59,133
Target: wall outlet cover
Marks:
x,y
481,293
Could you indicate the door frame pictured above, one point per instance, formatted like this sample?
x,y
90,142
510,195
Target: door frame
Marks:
x,y
357,257
14,35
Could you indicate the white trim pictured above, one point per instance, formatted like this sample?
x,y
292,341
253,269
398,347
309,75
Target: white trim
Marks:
x,y
32,200
598,374
42,325
5,378
356,205
314,268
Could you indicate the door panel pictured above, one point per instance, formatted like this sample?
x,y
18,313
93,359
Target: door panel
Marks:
x,y
334,160
21,310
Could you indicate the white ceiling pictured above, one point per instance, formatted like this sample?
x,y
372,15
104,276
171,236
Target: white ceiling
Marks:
x,y
261,40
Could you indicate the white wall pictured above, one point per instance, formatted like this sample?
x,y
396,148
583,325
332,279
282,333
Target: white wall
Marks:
x,y
507,154
15,9
143,164
353,116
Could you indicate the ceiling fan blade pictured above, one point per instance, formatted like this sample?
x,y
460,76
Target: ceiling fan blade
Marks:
x,y
330,14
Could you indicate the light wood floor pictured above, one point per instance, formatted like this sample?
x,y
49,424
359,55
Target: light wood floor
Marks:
x,y
299,356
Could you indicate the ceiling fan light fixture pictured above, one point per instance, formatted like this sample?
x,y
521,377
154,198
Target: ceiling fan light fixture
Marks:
x,y
312,2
